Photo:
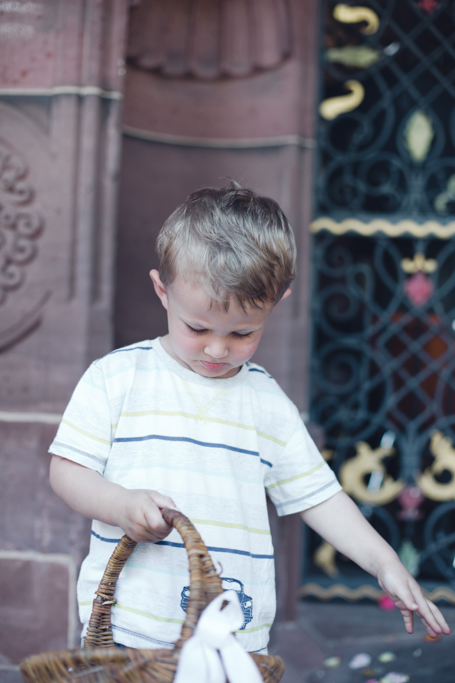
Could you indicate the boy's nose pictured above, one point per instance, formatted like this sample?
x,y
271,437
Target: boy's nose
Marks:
x,y
216,349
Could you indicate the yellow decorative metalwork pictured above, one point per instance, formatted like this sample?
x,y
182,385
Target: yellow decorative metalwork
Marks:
x,y
368,461
358,56
324,557
419,262
334,106
418,136
444,198
339,590
444,452
353,15
430,228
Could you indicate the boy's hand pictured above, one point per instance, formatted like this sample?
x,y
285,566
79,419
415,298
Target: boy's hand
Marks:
x,y
138,513
406,593
362,544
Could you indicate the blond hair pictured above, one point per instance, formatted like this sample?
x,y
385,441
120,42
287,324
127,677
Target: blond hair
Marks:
x,y
237,242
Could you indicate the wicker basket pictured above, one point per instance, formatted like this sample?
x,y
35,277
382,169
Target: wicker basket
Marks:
x,y
101,662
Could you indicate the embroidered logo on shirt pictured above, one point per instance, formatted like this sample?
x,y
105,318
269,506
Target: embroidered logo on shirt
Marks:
x,y
246,602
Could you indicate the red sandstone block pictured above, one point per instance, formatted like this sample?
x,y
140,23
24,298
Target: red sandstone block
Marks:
x,y
33,606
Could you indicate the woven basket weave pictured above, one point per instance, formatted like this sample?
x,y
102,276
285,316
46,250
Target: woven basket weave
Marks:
x,y
101,662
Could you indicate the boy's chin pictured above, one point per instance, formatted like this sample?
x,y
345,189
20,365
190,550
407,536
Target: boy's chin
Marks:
x,y
222,370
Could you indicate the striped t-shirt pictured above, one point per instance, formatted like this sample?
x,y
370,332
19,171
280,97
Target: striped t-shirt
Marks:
x,y
216,446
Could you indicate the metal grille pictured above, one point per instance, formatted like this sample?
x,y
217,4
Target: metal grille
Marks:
x,y
383,362
368,163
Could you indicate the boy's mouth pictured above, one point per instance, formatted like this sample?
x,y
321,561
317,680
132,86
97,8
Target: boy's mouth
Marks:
x,y
212,366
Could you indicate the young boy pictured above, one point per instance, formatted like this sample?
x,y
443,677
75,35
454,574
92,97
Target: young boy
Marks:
x,y
187,420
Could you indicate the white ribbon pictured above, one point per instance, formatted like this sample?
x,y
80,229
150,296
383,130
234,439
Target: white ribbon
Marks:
x,y
213,653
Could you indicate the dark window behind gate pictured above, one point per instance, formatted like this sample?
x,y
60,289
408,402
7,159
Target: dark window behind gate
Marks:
x,y
383,360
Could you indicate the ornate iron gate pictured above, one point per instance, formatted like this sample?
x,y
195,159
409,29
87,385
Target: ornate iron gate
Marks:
x,y
383,361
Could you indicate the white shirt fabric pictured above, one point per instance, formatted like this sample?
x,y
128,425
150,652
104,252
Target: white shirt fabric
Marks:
x,y
216,446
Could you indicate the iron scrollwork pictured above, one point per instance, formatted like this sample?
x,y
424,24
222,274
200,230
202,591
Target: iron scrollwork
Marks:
x,y
383,362
394,154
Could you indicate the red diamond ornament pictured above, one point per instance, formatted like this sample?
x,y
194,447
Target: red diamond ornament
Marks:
x,y
419,288
427,5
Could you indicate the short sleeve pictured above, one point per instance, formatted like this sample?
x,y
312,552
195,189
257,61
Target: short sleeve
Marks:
x,y
85,432
300,478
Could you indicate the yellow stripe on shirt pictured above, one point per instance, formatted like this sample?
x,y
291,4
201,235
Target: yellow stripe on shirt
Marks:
x,y
297,476
255,628
197,417
231,526
82,431
147,614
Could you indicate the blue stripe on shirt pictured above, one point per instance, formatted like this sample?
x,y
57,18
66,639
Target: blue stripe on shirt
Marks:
x,y
181,545
261,371
148,437
308,495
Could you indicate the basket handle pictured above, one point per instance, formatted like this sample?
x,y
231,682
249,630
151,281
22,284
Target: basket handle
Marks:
x,y
205,583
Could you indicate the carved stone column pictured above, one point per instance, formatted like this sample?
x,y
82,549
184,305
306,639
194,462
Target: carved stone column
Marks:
x,y
60,99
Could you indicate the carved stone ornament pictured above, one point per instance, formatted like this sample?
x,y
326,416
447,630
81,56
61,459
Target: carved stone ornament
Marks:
x,y
19,224
209,39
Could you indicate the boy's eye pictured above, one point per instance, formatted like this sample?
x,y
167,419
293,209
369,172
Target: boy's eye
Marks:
x,y
243,336
192,329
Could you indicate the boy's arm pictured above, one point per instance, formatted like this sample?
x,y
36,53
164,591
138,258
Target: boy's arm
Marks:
x,y
136,511
339,521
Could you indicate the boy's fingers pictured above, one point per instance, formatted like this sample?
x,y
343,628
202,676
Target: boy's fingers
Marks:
x,y
408,618
163,501
156,526
431,616
439,618
427,616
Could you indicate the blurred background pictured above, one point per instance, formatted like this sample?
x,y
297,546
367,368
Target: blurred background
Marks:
x,y
111,113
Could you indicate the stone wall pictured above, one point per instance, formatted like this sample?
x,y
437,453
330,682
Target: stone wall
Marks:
x,y
61,87
233,96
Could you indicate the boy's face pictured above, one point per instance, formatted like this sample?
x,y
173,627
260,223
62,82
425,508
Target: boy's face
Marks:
x,y
205,338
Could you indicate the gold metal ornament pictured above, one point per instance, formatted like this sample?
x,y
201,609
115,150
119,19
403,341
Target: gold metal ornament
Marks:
x,y
369,462
444,198
334,106
340,590
353,15
357,56
419,262
324,558
379,225
418,136
444,453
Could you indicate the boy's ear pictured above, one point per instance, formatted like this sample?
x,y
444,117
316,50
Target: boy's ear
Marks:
x,y
159,287
287,293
